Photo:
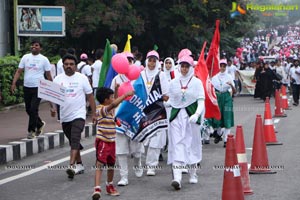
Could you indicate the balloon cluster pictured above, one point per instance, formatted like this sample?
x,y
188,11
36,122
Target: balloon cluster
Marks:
x,y
132,72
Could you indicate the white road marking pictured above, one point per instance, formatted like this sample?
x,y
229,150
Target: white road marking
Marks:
x,y
276,121
38,169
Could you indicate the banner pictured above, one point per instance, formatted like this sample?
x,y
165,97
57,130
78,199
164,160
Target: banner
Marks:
x,y
143,114
51,92
248,85
155,114
41,21
131,112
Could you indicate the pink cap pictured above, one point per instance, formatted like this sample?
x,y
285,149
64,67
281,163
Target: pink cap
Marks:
x,y
184,52
187,59
83,56
153,53
223,61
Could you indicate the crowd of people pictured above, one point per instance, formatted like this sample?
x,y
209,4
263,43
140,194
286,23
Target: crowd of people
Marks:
x,y
180,91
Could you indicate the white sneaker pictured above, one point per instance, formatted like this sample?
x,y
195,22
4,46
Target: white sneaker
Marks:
x,y
193,179
151,172
138,172
123,182
185,171
79,169
176,184
71,172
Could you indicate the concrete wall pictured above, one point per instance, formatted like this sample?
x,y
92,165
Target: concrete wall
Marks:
x,y
4,27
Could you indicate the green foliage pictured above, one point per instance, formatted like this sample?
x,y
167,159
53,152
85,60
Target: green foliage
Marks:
x,y
172,25
8,66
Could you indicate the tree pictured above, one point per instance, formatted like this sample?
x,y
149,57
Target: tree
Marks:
x,y
171,25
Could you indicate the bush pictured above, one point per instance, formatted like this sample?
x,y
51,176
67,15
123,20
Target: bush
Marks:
x,y
8,67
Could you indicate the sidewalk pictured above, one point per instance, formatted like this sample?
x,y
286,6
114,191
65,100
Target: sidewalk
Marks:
x,y
13,133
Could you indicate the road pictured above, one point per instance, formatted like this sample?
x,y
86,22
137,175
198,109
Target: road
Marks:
x,y
41,182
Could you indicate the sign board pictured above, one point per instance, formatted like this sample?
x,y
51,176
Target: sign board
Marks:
x,y
51,92
41,21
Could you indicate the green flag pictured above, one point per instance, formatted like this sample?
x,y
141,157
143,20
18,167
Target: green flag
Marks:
x,y
105,64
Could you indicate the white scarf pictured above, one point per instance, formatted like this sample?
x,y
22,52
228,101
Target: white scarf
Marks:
x,y
192,93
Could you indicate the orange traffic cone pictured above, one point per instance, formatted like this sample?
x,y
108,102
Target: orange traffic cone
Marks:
x,y
269,131
242,159
284,99
259,159
232,184
278,108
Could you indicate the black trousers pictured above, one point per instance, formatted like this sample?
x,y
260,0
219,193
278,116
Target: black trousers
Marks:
x,y
296,91
32,103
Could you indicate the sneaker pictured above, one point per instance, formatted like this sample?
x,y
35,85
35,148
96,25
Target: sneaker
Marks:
x,y
193,179
151,172
176,184
138,172
123,181
184,171
206,141
79,169
218,138
224,145
71,172
39,131
111,190
31,135
97,193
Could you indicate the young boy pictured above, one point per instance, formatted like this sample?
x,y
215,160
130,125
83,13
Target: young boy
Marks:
x,y
105,138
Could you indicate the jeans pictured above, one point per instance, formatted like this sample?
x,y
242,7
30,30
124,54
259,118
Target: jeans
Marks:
x,y
32,103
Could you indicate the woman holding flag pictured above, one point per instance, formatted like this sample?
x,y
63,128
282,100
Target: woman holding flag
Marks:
x,y
186,97
153,76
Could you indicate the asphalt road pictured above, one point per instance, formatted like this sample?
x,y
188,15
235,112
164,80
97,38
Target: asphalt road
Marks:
x,y
41,182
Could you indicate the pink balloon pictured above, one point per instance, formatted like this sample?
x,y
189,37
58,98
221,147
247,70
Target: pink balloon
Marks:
x,y
133,73
120,63
125,87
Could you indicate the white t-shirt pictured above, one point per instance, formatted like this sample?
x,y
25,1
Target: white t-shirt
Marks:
x,y
96,72
34,68
295,75
84,68
77,86
231,71
60,67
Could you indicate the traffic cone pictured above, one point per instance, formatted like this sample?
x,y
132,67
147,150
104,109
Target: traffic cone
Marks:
x,y
284,101
269,131
259,159
232,184
278,108
242,160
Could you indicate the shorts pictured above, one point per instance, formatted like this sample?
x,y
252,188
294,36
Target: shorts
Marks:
x,y
73,130
105,152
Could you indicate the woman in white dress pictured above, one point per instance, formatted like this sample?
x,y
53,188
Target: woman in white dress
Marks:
x,y
186,97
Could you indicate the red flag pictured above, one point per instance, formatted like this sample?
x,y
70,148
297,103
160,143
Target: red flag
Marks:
x,y
211,104
213,57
